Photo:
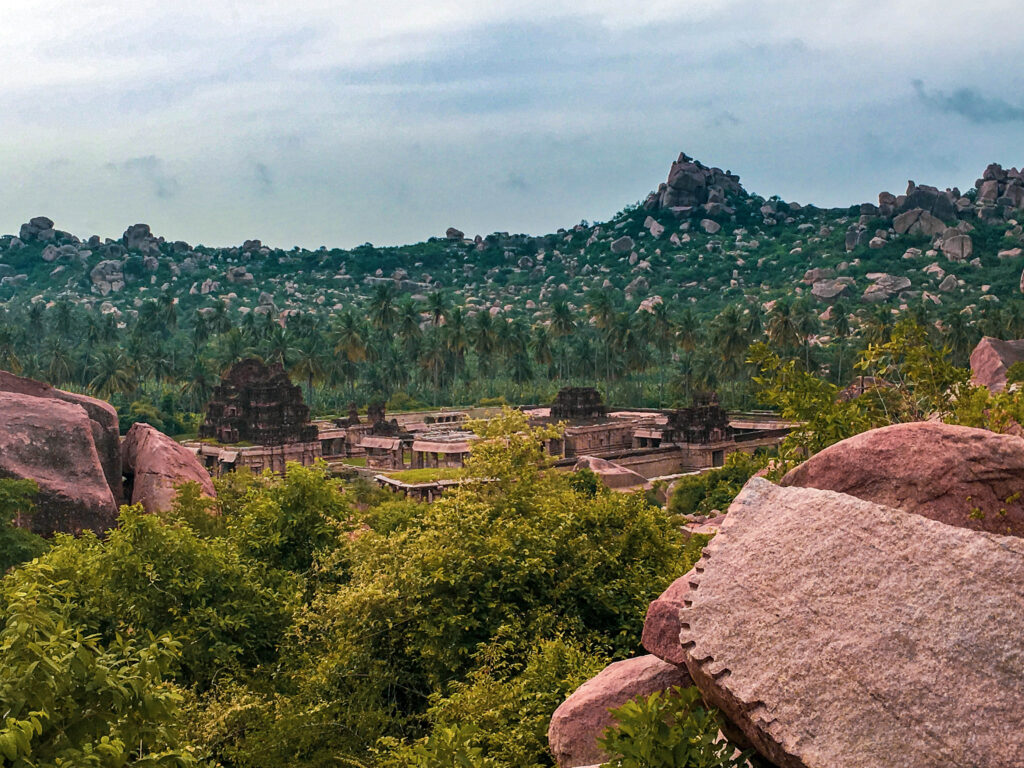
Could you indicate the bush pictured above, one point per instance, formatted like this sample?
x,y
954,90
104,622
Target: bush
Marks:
x,y
17,544
701,494
668,729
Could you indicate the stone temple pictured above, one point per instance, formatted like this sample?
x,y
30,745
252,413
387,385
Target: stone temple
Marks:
x,y
256,403
256,419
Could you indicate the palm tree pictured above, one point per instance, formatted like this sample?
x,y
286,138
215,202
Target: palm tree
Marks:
x,y
112,373
409,330
731,341
383,312
199,384
9,359
58,370
807,324
438,306
841,331
957,337
348,338
308,366
782,327
688,330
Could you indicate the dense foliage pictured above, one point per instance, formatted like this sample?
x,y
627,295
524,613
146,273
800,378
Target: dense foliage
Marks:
x,y
291,624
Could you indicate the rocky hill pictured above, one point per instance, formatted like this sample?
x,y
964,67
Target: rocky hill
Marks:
x,y
700,238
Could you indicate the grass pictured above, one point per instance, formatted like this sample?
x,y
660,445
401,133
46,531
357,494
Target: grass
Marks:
x,y
355,461
425,475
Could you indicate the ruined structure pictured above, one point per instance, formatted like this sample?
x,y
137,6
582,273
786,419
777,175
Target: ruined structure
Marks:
x,y
256,403
578,404
703,422
256,419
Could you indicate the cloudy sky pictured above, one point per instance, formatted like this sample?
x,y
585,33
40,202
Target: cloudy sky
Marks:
x,y
311,122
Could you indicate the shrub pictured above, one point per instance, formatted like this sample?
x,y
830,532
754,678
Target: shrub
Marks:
x,y
668,730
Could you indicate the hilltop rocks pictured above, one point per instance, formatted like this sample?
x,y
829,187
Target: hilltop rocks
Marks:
x,y
611,474
454,234
958,247
37,230
884,286
107,276
623,244
654,227
138,237
51,442
917,221
990,360
830,289
691,184
1000,188
155,464
834,631
583,717
239,275
957,475
709,226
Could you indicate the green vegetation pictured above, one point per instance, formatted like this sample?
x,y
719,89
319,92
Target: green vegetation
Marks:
x,y
426,474
669,729
292,624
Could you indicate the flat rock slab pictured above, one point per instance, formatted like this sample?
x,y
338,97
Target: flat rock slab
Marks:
x,y
839,633
958,475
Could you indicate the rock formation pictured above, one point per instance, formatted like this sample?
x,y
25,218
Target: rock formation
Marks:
x,y
990,360
613,475
691,185
51,442
583,717
835,632
258,404
155,464
102,417
961,476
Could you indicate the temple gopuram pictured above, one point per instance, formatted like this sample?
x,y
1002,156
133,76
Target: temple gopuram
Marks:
x,y
257,419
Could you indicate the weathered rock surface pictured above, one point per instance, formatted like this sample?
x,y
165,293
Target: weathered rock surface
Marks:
x,y
611,474
51,442
839,633
957,475
102,415
990,360
692,184
623,244
662,627
155,464
583,717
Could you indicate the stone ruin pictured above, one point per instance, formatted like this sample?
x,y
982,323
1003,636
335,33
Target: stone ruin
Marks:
x,y
703,422
258,404
578,404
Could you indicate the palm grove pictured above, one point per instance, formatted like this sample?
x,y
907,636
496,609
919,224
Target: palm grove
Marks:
x,y
161,365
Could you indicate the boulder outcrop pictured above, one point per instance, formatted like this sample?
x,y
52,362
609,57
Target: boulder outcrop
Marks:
x,y
662,627
51,442
691,184
583,717
155,465
990,360
965,477
103,423
840,633
611,474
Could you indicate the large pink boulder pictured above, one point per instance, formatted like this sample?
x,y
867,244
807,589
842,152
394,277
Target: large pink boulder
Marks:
x,y
155,465
962,476
991,359
613,475
104,426
52,442
839,633
583,717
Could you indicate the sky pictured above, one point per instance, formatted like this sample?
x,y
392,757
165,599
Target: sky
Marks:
x,y
315,123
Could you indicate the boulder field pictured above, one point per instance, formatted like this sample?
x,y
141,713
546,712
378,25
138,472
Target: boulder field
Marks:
x,y
70,445
847,628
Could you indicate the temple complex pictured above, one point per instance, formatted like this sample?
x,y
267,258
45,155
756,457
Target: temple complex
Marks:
x,y
256,419
256,403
